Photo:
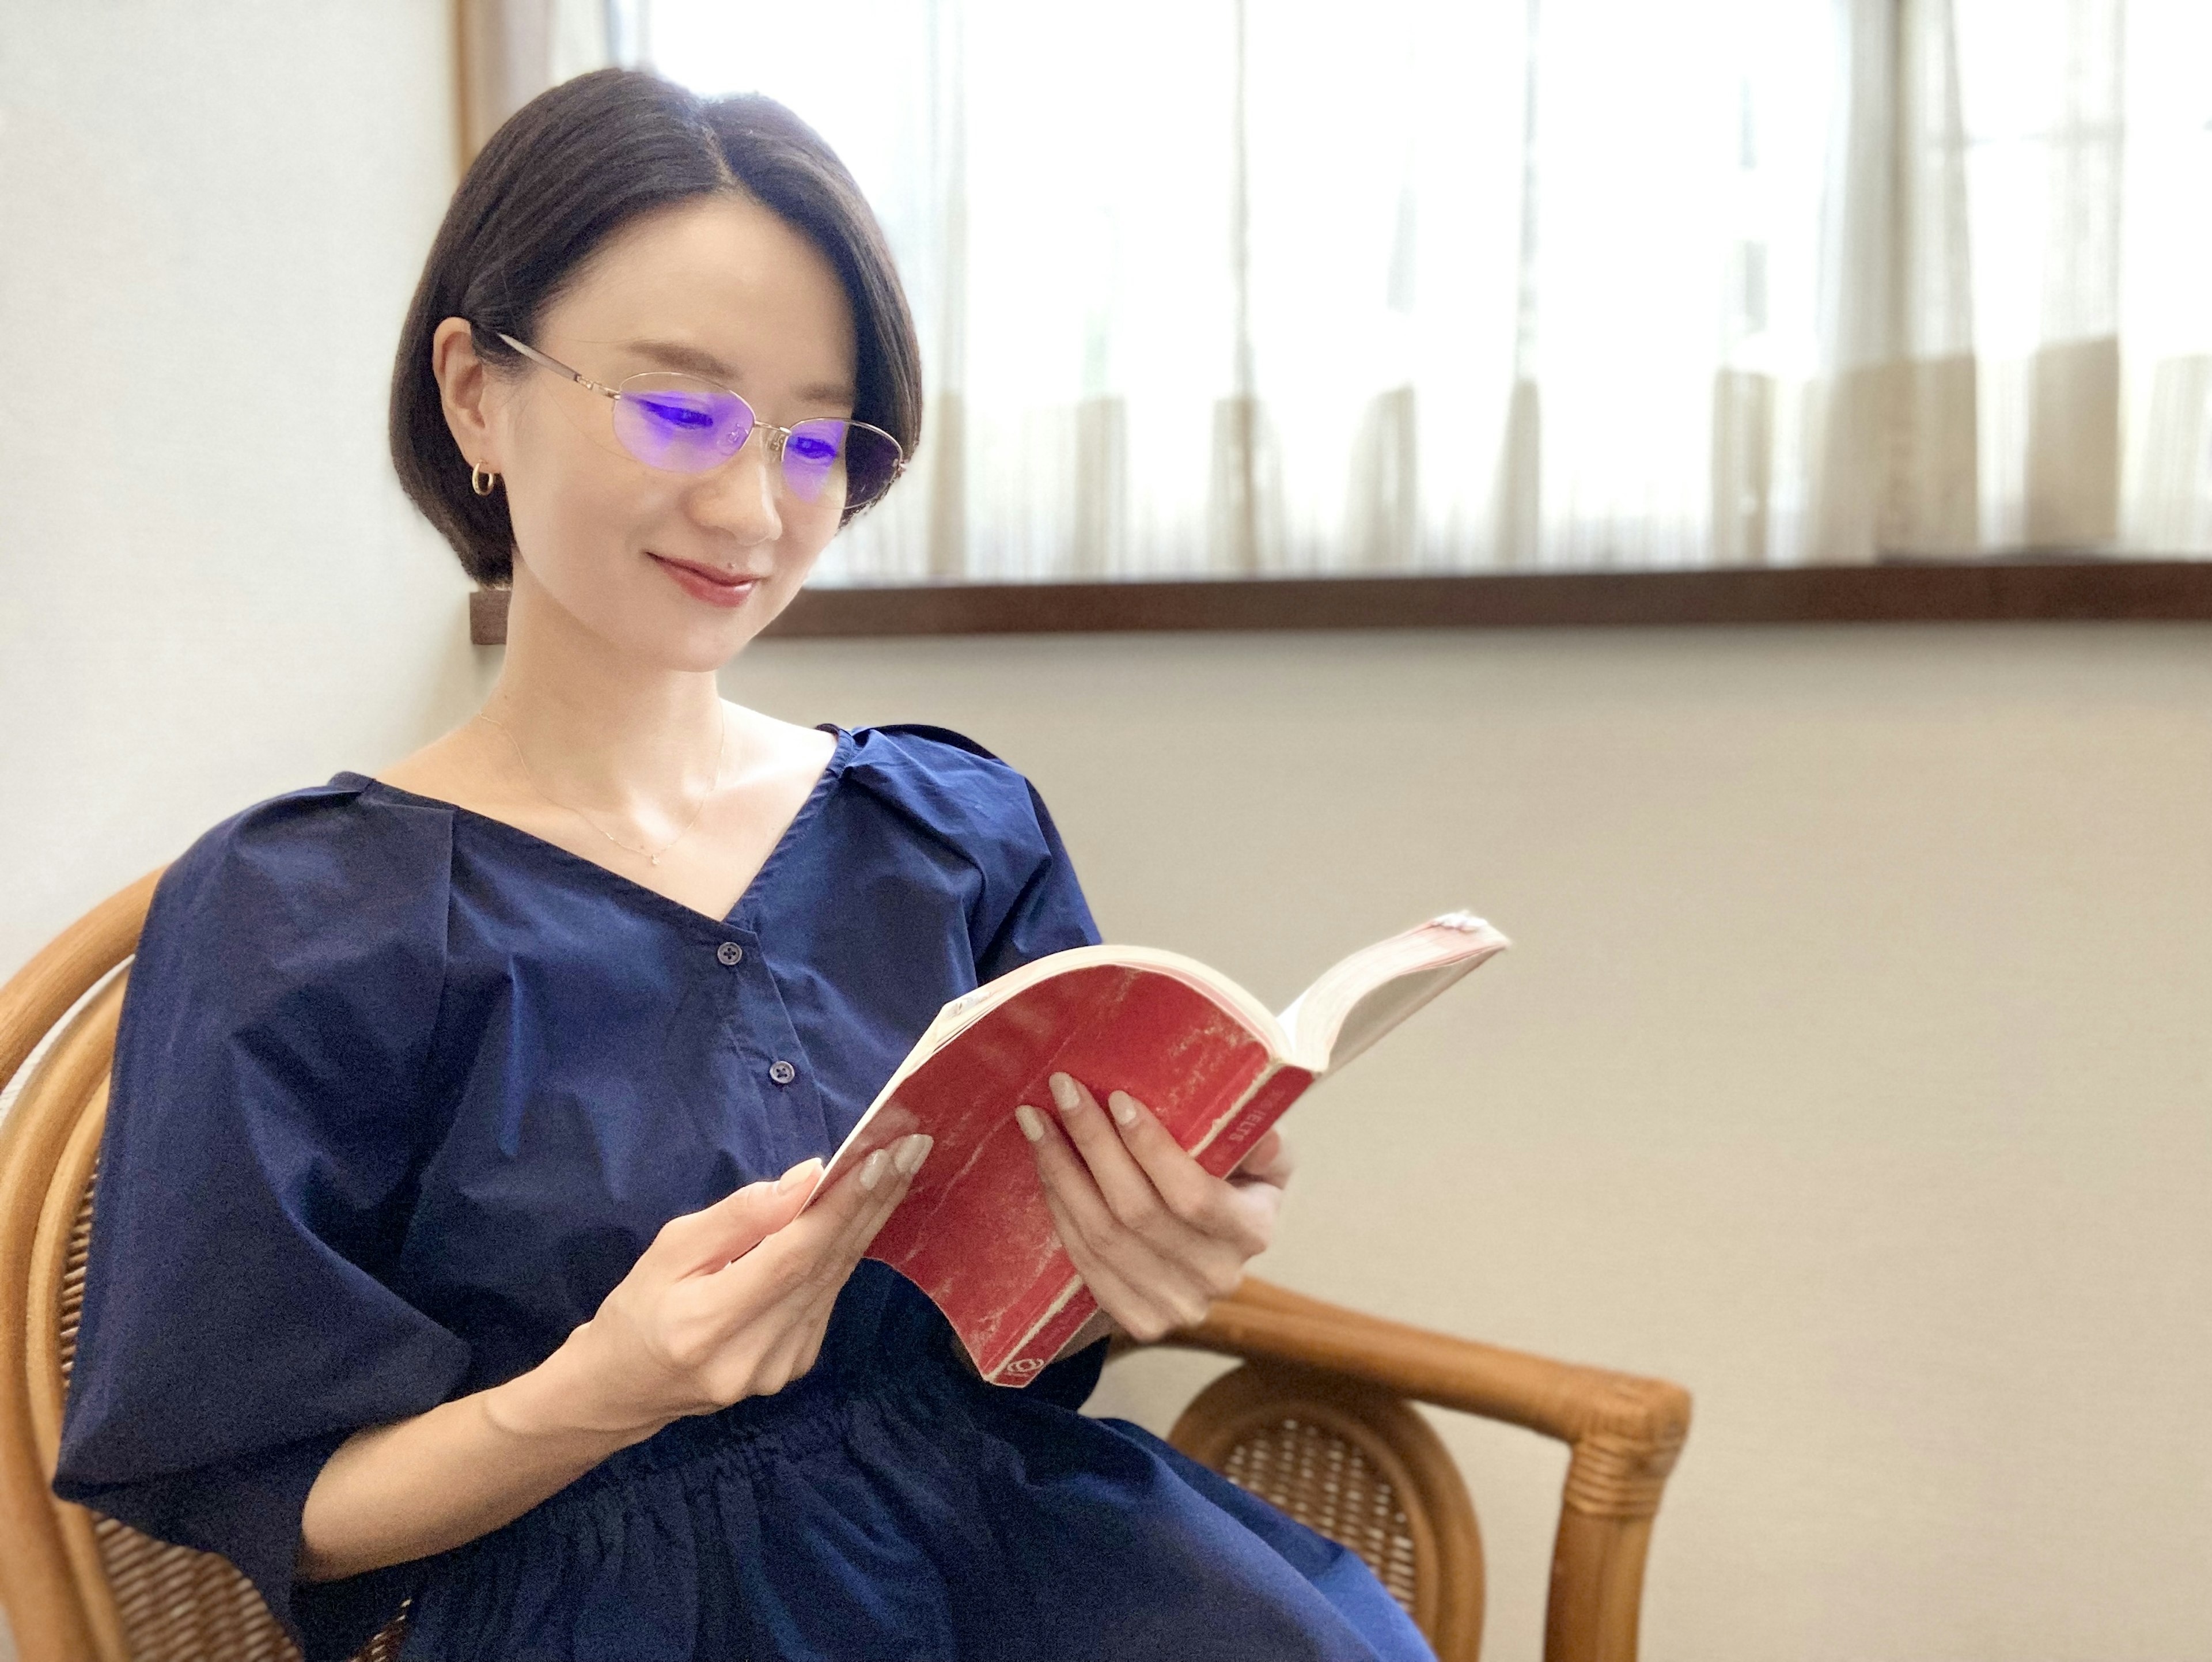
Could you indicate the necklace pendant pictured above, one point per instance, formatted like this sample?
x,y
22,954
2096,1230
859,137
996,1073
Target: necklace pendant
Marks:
x,y
654,858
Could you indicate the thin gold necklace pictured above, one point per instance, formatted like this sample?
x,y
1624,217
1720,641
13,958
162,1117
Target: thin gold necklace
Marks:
x,y
651,855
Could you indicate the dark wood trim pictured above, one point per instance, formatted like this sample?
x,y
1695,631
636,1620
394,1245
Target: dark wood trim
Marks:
x,y
1976,592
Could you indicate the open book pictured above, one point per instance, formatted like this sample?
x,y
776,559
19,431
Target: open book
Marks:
x,y
1214,1067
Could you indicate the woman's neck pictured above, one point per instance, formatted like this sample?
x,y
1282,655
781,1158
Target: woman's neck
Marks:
x,y
596,728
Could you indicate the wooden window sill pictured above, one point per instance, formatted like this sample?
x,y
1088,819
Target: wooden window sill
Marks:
x,y
1963,592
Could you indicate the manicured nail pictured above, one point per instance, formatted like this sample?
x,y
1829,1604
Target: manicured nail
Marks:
x,y
912,1151
1065,1093
871,1169
1124,1106
804,1172
1031,1122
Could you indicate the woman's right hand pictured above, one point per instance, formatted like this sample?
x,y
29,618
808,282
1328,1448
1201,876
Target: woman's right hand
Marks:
x,y
728,1302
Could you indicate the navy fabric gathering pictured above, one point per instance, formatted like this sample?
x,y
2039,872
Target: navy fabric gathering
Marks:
x,y
401,1092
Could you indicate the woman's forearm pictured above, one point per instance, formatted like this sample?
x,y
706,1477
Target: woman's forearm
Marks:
x,y
728,1302
406,1490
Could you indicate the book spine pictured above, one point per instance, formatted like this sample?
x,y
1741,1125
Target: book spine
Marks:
x,y
1270,1097
1043,1342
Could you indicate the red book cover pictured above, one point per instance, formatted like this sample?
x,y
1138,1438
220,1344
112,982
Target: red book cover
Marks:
x,y
1214,1065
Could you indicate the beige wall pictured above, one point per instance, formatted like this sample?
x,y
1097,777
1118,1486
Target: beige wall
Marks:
x,y
1851,1067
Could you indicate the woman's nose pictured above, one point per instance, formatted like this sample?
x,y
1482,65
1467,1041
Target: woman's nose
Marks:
x,y
740,495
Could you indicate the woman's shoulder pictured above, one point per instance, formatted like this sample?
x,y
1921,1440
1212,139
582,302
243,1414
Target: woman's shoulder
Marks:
x,y
348,854
947,782
351,824
914,750
984,810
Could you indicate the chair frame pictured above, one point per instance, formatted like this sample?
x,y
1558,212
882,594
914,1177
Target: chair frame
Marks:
x,y
1353,1373
1624,1433
38,1572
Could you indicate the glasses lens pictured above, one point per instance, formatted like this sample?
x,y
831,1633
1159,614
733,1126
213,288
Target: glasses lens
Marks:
x,y
844,463
680,422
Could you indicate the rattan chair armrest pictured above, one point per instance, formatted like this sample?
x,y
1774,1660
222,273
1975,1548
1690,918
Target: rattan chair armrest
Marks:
x,y
1560,1399
40,993
1625,1432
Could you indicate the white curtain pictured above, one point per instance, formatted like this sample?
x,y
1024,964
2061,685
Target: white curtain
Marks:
x,y
512,49
1237,287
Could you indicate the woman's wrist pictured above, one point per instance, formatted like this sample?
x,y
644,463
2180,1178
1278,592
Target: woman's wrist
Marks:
x,y
560,1400
395,1492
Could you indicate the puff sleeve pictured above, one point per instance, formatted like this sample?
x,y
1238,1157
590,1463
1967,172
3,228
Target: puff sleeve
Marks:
x,y
987,818
271,1103
1049,912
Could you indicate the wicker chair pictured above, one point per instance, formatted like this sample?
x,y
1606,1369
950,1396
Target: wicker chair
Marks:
x,y
1317,1419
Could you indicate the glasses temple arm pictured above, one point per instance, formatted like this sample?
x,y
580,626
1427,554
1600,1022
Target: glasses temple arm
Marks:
x,y
558,368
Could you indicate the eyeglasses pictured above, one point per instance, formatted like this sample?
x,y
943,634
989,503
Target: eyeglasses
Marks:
x,y
685,424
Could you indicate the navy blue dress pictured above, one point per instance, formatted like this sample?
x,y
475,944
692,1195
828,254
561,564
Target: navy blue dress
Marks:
x,y
402,1092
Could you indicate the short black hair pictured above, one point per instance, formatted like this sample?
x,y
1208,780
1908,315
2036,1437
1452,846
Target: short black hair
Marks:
x,y
565,171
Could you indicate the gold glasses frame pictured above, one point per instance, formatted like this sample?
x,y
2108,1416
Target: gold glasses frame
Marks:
x,y
778,436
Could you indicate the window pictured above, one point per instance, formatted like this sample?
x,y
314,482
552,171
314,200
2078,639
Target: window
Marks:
x,y
1222,288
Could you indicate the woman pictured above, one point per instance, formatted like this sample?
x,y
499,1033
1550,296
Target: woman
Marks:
x,y
448,1245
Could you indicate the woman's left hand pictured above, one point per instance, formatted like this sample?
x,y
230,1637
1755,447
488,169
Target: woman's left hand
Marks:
x,y
1155,1237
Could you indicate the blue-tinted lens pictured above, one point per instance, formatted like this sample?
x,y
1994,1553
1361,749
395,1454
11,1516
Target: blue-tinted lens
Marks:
x,y
680,423
841,462
811,457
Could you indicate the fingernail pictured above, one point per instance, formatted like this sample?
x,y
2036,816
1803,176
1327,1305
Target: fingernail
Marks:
x,y
1031,1122
1063,1093
911,1154
1124,1107
871,1169
802,1172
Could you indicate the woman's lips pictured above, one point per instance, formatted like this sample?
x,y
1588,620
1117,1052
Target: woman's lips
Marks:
x,y
705,583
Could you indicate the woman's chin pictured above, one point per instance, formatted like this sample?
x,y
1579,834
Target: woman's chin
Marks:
x,y
694,642
658,621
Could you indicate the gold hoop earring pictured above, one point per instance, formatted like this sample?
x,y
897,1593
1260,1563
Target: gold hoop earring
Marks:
x,y
481,479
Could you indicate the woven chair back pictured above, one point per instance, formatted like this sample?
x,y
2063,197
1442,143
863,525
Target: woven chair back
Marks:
x,y
1357,1464
122,1596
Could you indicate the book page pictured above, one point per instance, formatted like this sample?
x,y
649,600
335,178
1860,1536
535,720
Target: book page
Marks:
x,y
1388,1005
1360,998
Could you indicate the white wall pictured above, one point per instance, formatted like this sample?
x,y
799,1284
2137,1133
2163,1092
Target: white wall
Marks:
x,y
211,217
1851,1067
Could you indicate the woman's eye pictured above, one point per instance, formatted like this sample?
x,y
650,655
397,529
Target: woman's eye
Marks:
x,y
812,447
673,412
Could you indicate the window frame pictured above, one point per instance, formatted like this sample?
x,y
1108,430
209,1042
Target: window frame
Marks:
x,y
2051,589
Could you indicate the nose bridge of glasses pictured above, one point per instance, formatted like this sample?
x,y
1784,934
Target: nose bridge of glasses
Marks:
x,y
743,493
756,468
792,480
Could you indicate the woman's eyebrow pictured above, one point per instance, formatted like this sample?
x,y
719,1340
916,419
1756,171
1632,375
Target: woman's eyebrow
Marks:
x,y
677,356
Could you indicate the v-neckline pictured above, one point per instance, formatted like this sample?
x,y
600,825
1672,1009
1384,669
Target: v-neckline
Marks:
x,y
840,752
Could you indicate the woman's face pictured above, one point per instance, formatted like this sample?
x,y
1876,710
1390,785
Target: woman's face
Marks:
x,y
680,569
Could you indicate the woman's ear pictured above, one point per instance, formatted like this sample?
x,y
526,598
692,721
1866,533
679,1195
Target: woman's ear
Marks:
x,y
464,388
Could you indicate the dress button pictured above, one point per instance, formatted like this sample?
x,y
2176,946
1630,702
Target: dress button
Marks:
x,y
730,952
782,1072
